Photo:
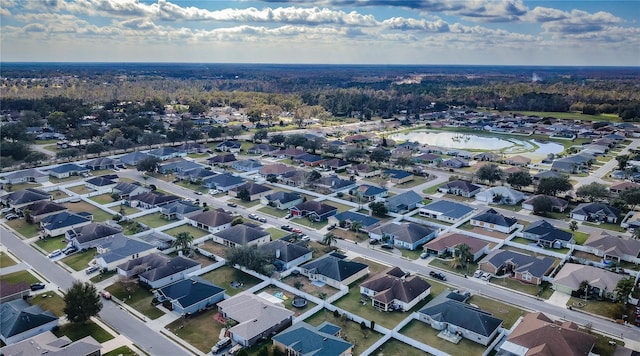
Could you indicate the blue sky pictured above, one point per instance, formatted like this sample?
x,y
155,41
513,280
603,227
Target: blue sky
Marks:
x,y
496,32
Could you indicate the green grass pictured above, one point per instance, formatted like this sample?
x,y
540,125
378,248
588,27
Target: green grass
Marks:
x,y
76,332
99,215
602,346
341,207
396,347
152,220
197,155
416,181
571,115
80,189
606,226
195,187
521,240
514,208
411,254
246,204
59,194
49,301
273,211
507,312
223,276
23,228
311,224
52,243
102,276
424,333
530,289
45,142
194,231
102,199
80,260
603,308
21,186
472,266
121,351
126,209
55,180
277,234
431,190
351,331
201,331
137,297
580,237
6,261
20,276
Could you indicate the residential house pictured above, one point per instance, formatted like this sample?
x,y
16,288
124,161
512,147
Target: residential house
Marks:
x,y
337,164
573,164
297,178
349,217
547,235
538,334
193,147
618,188
174,269
596,212
313,210
519,266
613,248
455,162
100,183
153,199
189,296
24,197
493,220
428,158
242,235
20,321
223,182
395,290
547,174
397,176
101,163
459,187
281,200
457,319
448,243
43,208
178,167
113,252
256,191
557,204
229,146
91,235
212,220
26,176
10,290
67,170
179,210
370,192
364,170
517,160
133,158
196,175
310,160
403,202
501,195
287,255
446,210
275,170
334,183
247,165
407,235
133,267
256,318
48,343
401,152
262,149
291,153
60,223
221,160
304,339
601,283
127,190
487,156
334,269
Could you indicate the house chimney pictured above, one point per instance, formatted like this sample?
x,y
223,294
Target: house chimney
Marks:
x,y
278,253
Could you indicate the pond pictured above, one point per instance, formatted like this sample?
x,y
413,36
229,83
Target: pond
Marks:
x,y
478,142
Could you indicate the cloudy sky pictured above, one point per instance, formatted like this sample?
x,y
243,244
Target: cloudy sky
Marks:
x,y
512,32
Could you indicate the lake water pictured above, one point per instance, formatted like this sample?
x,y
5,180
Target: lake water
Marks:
x,y
476,142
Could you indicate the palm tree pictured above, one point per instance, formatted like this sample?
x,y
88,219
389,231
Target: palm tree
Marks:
x,y
329,238
27,216
573,225
464,252
183,241
356,226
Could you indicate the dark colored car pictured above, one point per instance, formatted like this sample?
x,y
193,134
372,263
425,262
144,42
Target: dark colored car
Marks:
x,y
438,275
37,286
388,247
233,205
374,242
69,250
286,227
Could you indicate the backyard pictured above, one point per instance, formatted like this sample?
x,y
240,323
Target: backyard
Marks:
x,y
80,260
214,247
102,198
223,276
277,234
396,347
273,290
302,283
80,189
507,312
153,220
200,330
49,301
427,335
194,231
273,211
136,296
77,331
59,194
99,215
351,331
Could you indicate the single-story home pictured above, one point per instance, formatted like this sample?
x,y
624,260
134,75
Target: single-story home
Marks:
x,y
26,176
242,235
337,164
334,269
189,296
115,251
173,269
500,195
67,170
447,211
100,183
221,160
165,153
287,255
448,243
247,165
493,220
179,210
403,202
304,339
24,197
223,182
178,167
596,212
262,149
21,320
370,192
212,220
275,170
364,170
48,343
91,235
43,208
519,266
127,190
313,210
544,233
395,290
282,200
101,163
229,146
602,283
518,160
398,176
459,187
557,204
133,158
613,248
59,224
256,191
153,199
407,235
349,217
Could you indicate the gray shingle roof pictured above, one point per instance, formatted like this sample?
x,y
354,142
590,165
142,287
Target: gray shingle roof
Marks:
x,y
26,196
536,266
545,231
449,208
190,291
407,231
334,266
491,216
93,231
173,266
307,340
241,234
121,247
407,198
395,285
462,315
213,218
18,316
288,251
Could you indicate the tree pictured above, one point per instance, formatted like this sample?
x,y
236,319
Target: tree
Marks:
x,y
260,135
489,172
152,138
252,258
464,252
519,179
95,147
573,226
215,132
355,154
122,143
631,197
636,233
243,194
554,185
313,144
332,150
115,196
183,241
277,139
234,131
67,153
622,161
542,205
81,302
237,221
313,176
295,140
404,161
27,216
379,155
623,289
149,164
34,157
329,239
355,227
593,191
378,209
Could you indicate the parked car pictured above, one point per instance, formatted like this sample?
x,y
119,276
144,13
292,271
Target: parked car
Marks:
x,y
233,205
424,255
220,345
5,210
69,250
106,295
289,216
374,241
331,227
213,191
286,227
197,192
262,219
297,231
253,216
387,246
438,275
37,286
55,253
477,274
234,350
11,216
91,269
305,238
485,277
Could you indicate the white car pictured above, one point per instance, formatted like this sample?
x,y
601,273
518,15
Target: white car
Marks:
x,y
485,277
55,253
214,191
477,274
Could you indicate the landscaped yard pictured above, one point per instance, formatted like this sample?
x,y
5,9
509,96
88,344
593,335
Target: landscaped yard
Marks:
x,y
135,296
427,335
288,302
395,347
416,181
80,260
52,243
246,204
153,220
580,237
58,194
224,275
606,226
23,228
20,276
99,215
277,233
49,301
194,231
362,339
5,260
310,224
273,211
507,312
121,351
77,331
102,199
202,330
80,189
604,308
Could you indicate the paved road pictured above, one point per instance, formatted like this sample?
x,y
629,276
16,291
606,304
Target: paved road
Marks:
x,y
123,322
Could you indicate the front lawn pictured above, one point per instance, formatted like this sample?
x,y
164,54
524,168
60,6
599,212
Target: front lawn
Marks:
x,y
80,260
23,228
121,351
153,220
246,204
80,189
136,296
194,231
273,211
6,261
416,181
411,254
427,335
99,215
606,226
102,199
195,187
223,276
58,194
527,288
49,301
599,307
310,224
20,276
277,234
580,237
201,331
507,312
361,339
102,276
77,331
50,244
